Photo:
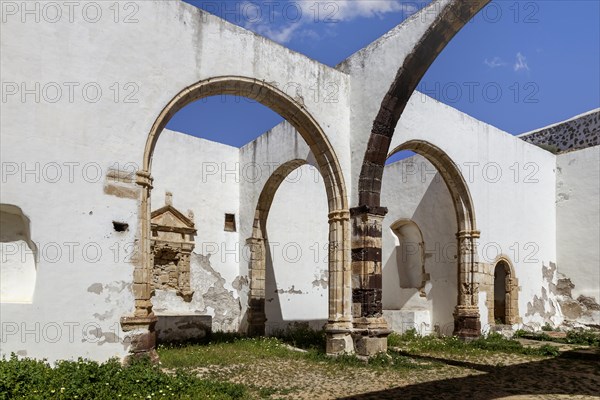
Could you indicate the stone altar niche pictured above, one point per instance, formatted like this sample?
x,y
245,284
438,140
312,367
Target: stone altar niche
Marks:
x,y
172,243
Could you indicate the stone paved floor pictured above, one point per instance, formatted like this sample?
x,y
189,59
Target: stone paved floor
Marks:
x,y
499,376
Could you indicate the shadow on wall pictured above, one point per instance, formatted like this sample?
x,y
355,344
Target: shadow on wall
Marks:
x,y
18,255
435,220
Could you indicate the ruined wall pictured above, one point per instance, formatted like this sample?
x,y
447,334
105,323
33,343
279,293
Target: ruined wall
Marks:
x,y
578,232
579,132
412,189
203,178
83,96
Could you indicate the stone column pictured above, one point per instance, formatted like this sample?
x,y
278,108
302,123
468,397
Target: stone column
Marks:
x,y
370,328
141,324
339,325
466,315
256,297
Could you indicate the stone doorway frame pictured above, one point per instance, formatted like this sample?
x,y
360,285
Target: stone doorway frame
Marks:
x,y
339,325
511,288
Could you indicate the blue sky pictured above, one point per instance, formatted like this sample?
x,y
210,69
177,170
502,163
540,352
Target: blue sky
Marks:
x,y
519,65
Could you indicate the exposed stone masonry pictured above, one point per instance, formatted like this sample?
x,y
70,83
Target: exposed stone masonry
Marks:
x,y
575,134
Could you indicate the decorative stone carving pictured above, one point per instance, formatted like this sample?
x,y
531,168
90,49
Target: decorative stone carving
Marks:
x,y
172,243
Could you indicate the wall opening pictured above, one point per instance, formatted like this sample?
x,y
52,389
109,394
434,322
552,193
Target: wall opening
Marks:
x,y
503,303
500,276
17,256
410,254
230,223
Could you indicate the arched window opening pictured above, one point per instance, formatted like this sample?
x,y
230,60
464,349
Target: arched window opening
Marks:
x,y
17,256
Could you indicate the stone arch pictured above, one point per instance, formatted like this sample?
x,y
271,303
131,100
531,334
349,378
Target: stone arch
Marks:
x,y
340,320
453,16
466,315
368,215
503,277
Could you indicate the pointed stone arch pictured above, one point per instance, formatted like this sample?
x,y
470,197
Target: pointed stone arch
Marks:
x,y
340,319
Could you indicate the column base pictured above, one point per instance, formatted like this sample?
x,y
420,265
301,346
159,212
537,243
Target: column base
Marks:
x,y
370,336
339,338
142,340
467,325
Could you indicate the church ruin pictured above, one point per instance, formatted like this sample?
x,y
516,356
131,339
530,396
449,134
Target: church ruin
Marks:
x,y
115,228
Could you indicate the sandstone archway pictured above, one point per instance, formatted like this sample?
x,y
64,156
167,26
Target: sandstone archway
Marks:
x,y
368,215
503,293
340,319
466,315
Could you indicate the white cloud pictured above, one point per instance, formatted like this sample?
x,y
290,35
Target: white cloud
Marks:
x,y
346,10
293,20
521,63
494,62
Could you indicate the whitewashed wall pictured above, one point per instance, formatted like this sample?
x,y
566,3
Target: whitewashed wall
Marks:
x,y
578,220
412,189
297,288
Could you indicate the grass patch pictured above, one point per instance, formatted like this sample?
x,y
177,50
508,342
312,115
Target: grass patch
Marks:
x,y
81,379
577,337
412,342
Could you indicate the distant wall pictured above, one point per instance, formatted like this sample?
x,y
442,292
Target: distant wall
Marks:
x,y
578,220
577,133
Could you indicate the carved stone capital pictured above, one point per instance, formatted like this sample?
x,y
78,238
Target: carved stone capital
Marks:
x,y
144,179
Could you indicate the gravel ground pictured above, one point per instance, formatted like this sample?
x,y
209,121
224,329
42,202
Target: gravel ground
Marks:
x,y
498,376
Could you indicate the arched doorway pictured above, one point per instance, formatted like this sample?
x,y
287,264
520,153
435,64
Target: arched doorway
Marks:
x,y
340,318
260,263
466,315
503,305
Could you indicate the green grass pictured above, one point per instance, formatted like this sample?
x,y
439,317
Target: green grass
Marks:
x,y
577,337
179,364
413,343
37,380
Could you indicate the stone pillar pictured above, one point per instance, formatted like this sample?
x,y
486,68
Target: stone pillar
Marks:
x,y
370,328
339,325
141,323
466,315
256,297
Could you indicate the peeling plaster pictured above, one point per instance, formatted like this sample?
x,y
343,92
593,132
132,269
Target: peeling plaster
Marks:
x,y
95,288
291,290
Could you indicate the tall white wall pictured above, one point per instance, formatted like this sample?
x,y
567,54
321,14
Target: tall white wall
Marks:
x,y
578,220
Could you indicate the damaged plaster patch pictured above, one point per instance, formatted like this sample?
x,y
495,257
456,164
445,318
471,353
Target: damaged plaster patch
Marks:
x,y
321,281
538,306
95,288
581,311
547,307
240,282
101,337
291,290
227,309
